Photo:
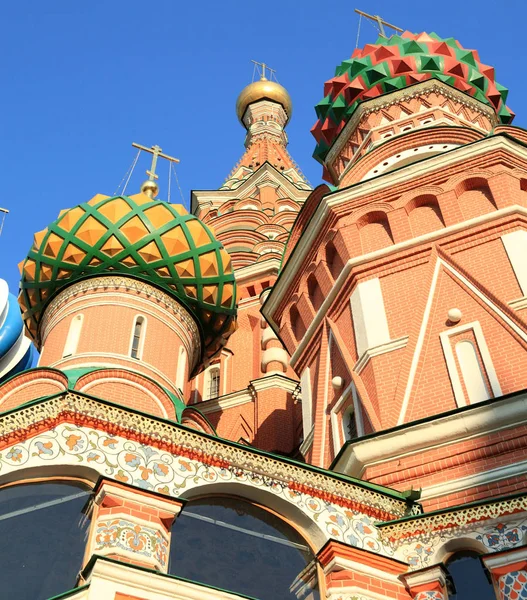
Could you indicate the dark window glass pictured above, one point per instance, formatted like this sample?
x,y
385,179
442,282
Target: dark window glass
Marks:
x,y
469,577
42,539
236,546
351,425
214,384
137,337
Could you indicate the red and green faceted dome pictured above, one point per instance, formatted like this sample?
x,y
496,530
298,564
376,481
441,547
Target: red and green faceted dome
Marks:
x,y
134,236
395,63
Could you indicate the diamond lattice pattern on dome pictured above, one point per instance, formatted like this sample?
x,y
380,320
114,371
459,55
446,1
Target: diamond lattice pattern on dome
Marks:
x,y
395,63
139,237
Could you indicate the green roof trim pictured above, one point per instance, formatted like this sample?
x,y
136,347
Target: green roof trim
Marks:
x,y
70,593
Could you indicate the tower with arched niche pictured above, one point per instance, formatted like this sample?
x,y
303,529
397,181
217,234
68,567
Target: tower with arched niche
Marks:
x,y
249,392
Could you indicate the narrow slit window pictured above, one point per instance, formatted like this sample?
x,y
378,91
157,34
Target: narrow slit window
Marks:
x,y
214,384
137,336
72,339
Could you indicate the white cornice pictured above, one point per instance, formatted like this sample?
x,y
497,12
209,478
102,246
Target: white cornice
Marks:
x,y
274,381
480,420
108,578
372,186
377,350
270,266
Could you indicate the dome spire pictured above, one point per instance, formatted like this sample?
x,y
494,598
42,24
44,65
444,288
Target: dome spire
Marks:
x,y
263,89
150,187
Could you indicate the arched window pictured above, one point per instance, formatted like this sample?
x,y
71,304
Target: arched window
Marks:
x,y
297,323
333,260
181,368
246,550
212,383
469,577
314,291
43,529
138,335
349,424
475,384
74,332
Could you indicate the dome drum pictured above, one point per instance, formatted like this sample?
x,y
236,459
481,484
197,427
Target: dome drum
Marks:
x,y
144,239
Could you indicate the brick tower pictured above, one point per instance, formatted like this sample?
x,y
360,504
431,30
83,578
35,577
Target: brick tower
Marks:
x,y
249,391
157,452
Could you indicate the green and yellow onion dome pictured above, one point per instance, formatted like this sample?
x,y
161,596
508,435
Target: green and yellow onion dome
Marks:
x,y
398,62
138,237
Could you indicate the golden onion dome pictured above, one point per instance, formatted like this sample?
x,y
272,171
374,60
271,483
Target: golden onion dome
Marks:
x,y
264,89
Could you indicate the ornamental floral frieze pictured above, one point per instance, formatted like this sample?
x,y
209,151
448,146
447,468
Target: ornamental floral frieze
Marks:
x,y
422,549
138,540
173,475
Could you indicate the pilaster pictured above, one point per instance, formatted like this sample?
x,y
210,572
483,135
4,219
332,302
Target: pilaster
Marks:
x,y
427,584
131,525
508,570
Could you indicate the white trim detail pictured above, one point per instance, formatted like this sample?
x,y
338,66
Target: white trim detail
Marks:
x,y
377,350
452,367
307,399
339,434
369,316
515,244
72,339
181,368
142,336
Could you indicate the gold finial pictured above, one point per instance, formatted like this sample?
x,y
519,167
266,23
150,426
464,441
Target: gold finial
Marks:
x,y
264,89
150,187
264,66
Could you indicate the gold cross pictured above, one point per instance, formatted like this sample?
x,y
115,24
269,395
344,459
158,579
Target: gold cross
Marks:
x,y
264,66
380,22
156,152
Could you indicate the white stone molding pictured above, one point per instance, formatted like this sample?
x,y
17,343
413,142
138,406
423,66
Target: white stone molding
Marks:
x,y
479,421
455,380
307,402
390,346
515,244
369,316
337,425
107,578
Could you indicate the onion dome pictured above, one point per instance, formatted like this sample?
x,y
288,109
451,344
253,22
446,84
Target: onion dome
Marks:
x,y
137,237
264,89
16,350
395,63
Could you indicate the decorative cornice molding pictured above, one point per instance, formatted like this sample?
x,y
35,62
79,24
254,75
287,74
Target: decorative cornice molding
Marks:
x,y
46,414
378,350
452,518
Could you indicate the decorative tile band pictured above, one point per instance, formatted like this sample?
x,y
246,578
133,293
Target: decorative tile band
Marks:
x,y
148,544
513,586
168,437
452,519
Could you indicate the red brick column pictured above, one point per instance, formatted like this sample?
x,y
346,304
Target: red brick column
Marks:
x,y
509,572
427,584
352,570
131,525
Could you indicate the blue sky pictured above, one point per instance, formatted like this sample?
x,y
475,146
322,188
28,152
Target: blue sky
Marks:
x,y
83,80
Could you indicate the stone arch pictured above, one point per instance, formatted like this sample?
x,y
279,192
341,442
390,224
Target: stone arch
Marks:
x,y
292,514
314,292
424,214
333,260
297,323
88,475
446,550
30,385
129,389
475,197
375,231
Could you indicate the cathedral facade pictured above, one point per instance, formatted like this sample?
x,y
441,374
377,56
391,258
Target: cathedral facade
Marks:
x,y
287,392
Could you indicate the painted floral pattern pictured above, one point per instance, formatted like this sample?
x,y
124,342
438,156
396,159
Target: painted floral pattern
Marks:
x,y
120,533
